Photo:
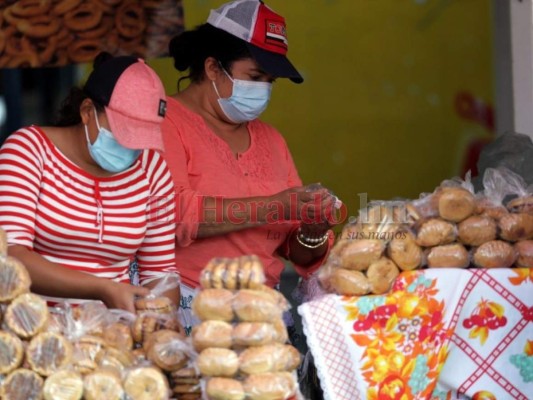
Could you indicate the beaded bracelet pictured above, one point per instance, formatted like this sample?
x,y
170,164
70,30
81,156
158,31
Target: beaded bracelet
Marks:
x,y
311,243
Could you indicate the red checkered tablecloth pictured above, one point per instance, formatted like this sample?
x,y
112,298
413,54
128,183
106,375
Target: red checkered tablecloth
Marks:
x,y
439,334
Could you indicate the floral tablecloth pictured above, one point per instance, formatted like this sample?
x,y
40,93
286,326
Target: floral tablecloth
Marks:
x,y
439,334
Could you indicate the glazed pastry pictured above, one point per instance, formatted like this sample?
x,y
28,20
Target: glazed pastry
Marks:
x,y
101,385
256,306
22,384
27,315
476,230
495,254
225,389
118,335
14,279
435,232
213,304
349,283
455,204
515,227
146,384
525,253
218,362
212,334
270,386
359,254
381,275
11,352
448,256
270,358
166,349
404,251
48,352
63,385
162,305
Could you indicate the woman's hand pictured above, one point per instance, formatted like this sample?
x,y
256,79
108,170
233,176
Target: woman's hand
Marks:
x,y
304,203
121,295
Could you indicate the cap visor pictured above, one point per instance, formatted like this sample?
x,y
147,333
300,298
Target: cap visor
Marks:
x,y
275,64
134,133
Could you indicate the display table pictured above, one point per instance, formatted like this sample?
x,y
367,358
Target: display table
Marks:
x,y
439,333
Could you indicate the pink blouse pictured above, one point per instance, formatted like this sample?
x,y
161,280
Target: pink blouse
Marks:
x,y
202,164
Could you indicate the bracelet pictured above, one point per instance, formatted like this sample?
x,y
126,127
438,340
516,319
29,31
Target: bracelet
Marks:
x,y
311,243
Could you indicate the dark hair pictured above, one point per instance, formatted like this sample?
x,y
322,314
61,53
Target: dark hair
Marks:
x,y
69,111
190,49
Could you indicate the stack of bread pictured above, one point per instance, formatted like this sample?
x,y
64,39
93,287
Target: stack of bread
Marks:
x,y
83,352
242,338
451,228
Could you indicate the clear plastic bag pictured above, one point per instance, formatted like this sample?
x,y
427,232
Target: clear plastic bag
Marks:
x,y
27,315
22,384
14,278
63,385
49,352
244,272
145,383
156,301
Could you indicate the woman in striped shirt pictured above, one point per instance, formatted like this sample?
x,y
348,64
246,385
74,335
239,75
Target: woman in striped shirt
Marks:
x,y
82,199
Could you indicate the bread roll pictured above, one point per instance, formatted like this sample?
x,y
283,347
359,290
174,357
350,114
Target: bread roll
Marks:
x,y
115,360
212,334
282,336
269,358
162,305
14,279
359,254
215,304
495,254
525,253
486,207
86,351
255,306
476,230
166,349
381,275
455,204
521,205
119,335
63,385
349,283
515,227
270,386
148,323
448,256
435,232
248,334
22,384
218,362
404,251
224,389
102,384
146,383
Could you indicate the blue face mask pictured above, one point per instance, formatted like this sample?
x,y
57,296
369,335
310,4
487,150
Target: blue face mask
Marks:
x,y
248,100
108,153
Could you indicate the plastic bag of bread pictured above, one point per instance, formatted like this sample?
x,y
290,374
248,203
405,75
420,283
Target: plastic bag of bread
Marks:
x,y
495,254
156,301
525,253
89,318
516,227
405,252
168,350
224,389
22,384
218,362
115,360
48,352
257,305
86,352
214,304
146,383
248,334
63,385
147,323
269,358
498,184
245,272
359,254
477,229
270,386
118,329
452,255
212,333
27,315
435,232
103,384
14,278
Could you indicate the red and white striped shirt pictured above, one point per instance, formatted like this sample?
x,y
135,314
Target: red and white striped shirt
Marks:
x,y
82,222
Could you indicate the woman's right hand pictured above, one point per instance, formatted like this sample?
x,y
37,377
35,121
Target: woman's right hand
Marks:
x,y
121,295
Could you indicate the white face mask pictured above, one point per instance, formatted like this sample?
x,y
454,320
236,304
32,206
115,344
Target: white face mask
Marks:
x,y
247,101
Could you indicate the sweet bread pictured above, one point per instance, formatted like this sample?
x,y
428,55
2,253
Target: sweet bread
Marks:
x,y
521,205
525,253
146,384
63,385
404,251
381,275
148,323
246,334
86,351
225,389
114,360
349,283
102,384
166,349
270,358
212,334
270,386
161,305
185,376
275,295
11,353
239,273
27,315
256,306
22,384
251,272
14,279
515,227
455,204
118,335
448,256
486,207
495,254
359,254
48,352
435,232
213,304
218,362
476,230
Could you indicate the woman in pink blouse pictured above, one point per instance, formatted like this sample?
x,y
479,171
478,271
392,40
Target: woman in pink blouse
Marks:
x,y
238,191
